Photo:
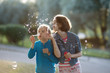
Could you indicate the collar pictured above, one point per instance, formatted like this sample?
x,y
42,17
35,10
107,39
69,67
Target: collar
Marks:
x,y
59,38
45,42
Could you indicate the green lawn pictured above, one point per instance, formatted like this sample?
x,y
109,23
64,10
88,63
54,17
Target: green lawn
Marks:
x,y
6,67
96,53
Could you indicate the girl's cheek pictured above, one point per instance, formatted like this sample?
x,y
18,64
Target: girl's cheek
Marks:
x,y
39,37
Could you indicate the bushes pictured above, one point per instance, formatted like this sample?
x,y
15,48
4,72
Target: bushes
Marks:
x,y
2,30
91,42
14,33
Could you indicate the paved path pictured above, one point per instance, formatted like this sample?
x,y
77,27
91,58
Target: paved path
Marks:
x,y
14,53
89,64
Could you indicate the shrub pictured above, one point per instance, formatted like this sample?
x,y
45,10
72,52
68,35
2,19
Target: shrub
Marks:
x,y
91,42
15,33
2,30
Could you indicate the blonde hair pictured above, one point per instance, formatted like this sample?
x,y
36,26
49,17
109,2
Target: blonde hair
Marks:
x,y
46,26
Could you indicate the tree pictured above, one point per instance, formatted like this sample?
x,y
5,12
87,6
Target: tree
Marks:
x,y
67,10
92,14
47,10
13,11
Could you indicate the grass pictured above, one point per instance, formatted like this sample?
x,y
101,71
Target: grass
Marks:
x,y
6,67
96,53
3,40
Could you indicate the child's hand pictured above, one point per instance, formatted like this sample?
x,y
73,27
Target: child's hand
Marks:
x,y
68,55
50,37
32,39
45,50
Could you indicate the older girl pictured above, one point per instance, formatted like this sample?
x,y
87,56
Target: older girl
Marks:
x,y
69,45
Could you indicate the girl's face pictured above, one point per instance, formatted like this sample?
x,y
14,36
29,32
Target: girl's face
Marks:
x,y
55,26
43,33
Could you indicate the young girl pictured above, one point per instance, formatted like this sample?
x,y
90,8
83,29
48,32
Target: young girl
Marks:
x,y
44,50
69,45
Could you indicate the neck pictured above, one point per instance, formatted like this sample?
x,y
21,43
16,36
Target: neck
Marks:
x,y
44,41
62,34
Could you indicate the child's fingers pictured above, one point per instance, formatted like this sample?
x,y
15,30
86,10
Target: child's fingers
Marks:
x,y
45,50
69,54
32,38
50,37
66,56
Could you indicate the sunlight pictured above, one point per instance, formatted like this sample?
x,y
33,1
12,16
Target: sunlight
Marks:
x,y
1,1
24,1
32,1
81,35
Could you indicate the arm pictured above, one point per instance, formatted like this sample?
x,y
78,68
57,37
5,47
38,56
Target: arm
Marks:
x,y
79,54
56,49
31,52
76,55
78,50
51,57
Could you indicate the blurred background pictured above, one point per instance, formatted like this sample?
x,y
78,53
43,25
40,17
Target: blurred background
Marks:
x,y
20,18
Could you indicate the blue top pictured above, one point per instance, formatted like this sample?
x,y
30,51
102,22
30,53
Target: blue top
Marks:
x,y
44,63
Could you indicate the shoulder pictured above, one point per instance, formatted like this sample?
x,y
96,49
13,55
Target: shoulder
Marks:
x,y
72,34
37,42
55,35
49,41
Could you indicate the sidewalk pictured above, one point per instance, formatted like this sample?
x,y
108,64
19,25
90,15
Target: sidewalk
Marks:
x,y
89,64
12,48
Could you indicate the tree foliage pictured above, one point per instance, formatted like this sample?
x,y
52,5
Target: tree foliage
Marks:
x,y
83,14
13,11
48,9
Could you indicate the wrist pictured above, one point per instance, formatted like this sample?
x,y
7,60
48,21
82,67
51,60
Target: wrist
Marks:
x,y
72,55
52,38
48,53
32,46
